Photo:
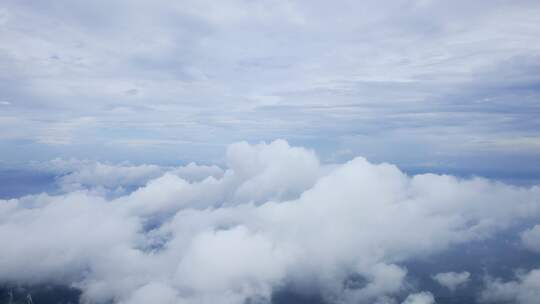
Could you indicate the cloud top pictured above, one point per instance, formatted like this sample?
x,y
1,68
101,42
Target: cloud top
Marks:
x,y
273,218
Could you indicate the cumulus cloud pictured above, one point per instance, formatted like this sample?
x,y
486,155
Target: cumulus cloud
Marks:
x,y
524,290
275,217
73,174
420,298
531,238
452,280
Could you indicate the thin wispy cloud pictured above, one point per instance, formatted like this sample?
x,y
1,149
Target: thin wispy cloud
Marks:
x,y
457,79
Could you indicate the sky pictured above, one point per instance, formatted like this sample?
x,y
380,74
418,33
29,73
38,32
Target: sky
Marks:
x,y
270,152
423,84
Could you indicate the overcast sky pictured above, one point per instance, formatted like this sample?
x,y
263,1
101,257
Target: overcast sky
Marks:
x,y
437,84
307,123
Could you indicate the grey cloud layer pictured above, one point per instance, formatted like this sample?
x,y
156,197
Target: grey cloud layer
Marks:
x,y
365,76
274,217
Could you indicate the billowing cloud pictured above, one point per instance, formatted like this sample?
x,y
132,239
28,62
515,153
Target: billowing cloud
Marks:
x,y
274,218
524,290
531,238
452,280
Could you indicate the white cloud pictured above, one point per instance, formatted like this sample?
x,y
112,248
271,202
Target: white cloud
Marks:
x,y
524,290
384,279
420,298
274,172
274,216
153,293
531,238
111,176
452,280
194,173
247,263
76,174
